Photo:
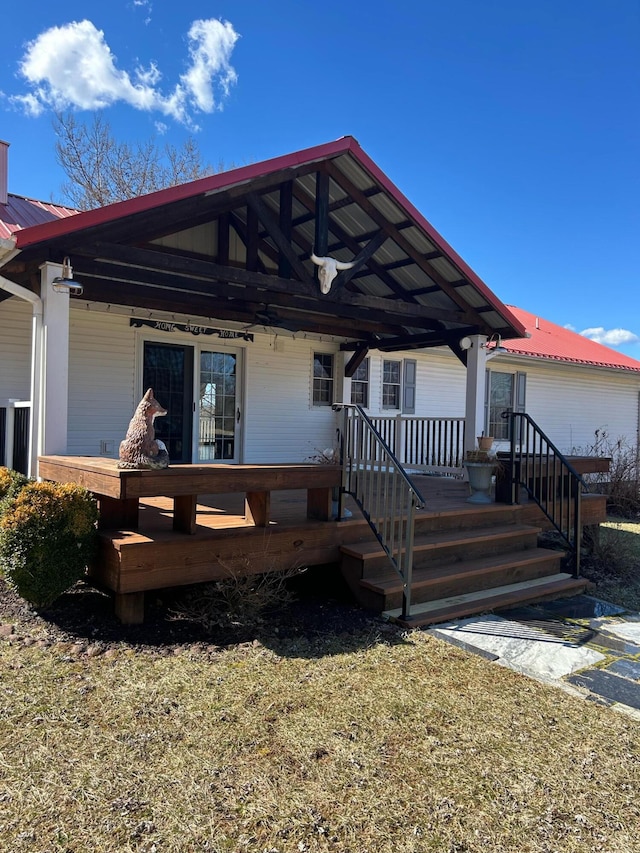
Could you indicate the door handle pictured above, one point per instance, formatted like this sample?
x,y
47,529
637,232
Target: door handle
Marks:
x,y
238,416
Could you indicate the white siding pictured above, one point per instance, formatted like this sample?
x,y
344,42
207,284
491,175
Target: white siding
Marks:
x,y
101,381
570,402
440,385
15,348
281,424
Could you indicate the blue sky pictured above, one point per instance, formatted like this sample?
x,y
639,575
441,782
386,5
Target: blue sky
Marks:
x,y
513,126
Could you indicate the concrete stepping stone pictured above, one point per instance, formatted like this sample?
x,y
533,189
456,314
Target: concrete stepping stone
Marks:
x,y
626,668
610,686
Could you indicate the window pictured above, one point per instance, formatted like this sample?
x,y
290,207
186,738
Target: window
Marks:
x,y
322,379
360,385
391,373
505,391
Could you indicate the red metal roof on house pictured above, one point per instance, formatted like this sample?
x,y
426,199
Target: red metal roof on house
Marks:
x,y
20,212
555,342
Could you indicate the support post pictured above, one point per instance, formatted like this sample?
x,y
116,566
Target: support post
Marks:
x,y
54,376
475,394
257,508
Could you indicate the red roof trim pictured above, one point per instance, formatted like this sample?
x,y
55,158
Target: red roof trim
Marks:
x,y
222,180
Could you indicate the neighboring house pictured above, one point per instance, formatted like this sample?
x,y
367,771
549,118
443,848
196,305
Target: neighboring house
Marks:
x,y
207,292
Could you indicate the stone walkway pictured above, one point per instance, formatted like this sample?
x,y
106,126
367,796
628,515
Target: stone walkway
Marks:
x,y
586,646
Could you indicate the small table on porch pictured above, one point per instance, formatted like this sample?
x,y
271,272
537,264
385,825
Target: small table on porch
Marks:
x,y
119,491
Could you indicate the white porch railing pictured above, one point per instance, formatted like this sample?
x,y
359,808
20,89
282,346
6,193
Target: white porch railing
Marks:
x,y
424,444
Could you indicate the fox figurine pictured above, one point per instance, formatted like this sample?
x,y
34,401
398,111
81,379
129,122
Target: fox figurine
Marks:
x,y
140,448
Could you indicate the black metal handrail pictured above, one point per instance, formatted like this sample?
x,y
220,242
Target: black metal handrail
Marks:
x,y
382,489
548,477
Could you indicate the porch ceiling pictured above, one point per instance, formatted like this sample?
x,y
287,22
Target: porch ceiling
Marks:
x,y
237,246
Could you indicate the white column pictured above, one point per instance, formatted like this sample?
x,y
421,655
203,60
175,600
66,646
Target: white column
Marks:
x,y
54,378
342,382
476,383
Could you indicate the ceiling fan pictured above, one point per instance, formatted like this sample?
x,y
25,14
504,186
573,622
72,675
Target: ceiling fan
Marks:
x,y
270,318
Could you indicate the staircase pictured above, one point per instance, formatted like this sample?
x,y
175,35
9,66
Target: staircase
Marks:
x,y
465,561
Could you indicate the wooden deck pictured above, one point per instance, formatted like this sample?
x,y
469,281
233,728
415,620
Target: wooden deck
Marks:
x,y
152,541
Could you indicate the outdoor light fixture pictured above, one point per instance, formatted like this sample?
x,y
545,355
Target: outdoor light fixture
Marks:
x,y
492,345
64,283
497,347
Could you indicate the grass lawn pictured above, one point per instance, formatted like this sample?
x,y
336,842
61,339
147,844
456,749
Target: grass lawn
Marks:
x,y
372,741
614,563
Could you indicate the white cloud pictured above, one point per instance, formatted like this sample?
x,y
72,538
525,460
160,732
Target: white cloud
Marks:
x,y
144,4
212,43
610,337
89,78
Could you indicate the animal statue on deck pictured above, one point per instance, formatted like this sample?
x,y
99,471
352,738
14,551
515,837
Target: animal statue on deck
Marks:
x,y
141,448
329,270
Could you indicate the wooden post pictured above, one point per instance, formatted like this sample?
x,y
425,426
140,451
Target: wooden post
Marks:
x,y
129,607
257,508
121,514
319,504
321,235
184,513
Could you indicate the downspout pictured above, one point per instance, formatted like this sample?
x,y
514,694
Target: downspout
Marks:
x,y
8,251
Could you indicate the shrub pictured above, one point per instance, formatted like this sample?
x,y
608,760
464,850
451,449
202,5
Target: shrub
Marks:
x,y
622,484
239,599
47,536
612,562
11,482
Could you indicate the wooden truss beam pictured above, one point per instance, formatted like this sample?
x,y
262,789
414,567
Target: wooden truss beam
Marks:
x,y
140,263
380,219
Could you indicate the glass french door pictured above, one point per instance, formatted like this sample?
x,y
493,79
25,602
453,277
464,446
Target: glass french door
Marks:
x,y
168,369
218,407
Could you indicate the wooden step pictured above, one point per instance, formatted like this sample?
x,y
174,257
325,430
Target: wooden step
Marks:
x,y
460,578
593,510
445,547
456,607
467,517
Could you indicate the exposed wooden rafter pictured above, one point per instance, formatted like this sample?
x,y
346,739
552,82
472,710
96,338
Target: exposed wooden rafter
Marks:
x,y
283,243
360,260
372,211
141,263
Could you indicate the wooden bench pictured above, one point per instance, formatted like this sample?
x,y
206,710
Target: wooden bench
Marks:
x,y
119,491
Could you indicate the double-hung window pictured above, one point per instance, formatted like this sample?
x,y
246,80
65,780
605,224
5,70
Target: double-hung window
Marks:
x,y
399,385
360,385
323,379
391,384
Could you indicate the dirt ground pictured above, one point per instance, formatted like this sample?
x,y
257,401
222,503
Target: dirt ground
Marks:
x,y
83,619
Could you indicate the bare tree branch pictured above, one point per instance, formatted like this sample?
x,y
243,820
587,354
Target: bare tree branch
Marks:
x,y
101,170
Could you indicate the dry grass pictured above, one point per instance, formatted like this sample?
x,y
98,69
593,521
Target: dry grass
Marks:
x,y
380,743
613,563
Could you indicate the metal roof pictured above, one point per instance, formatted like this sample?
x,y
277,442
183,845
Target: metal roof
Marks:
x,y
409,262
20,212
554,342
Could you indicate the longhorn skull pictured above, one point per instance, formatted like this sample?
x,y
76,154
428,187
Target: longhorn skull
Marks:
x,y
328,270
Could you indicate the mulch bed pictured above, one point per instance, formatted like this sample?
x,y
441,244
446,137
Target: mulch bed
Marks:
x,y
84,622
